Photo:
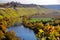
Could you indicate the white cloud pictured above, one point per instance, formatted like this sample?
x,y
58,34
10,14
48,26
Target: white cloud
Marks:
x,y
41,2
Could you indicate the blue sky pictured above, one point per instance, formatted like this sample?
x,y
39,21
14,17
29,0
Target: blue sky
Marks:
x,y
39,2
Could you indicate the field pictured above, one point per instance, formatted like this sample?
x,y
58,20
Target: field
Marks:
x,y
41,19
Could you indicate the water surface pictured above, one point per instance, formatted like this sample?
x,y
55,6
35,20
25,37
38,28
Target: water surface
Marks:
x,y
24,33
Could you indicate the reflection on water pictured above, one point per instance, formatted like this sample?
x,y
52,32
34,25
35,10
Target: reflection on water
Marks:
x,y
24,33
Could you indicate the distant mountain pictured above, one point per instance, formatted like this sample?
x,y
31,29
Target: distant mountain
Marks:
x,y
11,4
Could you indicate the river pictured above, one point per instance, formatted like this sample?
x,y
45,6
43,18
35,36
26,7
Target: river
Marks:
x,y
24,33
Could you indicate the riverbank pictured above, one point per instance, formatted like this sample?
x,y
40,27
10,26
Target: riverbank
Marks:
x,y
24,33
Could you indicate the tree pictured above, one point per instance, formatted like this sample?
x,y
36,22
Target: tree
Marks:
x,y
1,35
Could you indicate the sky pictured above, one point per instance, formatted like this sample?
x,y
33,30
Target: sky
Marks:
x,y
39,2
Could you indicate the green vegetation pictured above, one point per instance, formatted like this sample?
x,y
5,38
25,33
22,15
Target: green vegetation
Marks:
x,y
10,17
40,19
44,30
14,15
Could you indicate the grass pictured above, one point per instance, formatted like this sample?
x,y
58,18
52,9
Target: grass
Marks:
x,y
40,19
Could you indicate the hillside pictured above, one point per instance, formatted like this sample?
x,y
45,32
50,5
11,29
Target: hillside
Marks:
x,y
35,11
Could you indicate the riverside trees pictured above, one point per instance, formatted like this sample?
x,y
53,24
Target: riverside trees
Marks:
x,y
7,19
44,31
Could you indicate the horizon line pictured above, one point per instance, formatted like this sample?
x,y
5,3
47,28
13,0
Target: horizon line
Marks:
x,y
31,3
